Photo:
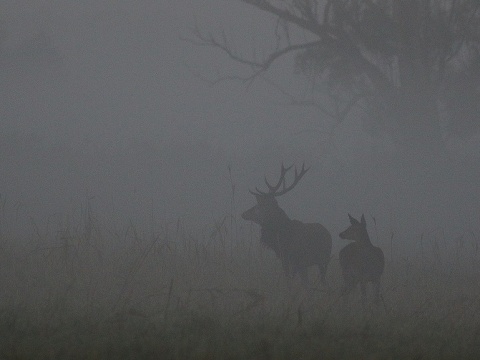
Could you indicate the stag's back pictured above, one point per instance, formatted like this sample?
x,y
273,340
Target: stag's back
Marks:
x,y
310,244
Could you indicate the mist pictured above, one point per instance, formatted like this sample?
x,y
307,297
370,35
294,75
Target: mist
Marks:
x,y
125,168
108,104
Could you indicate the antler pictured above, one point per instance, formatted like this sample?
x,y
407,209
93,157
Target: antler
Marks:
x,y
273,190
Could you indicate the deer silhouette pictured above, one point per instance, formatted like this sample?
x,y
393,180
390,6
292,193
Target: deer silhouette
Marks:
x,y
361,262
298,245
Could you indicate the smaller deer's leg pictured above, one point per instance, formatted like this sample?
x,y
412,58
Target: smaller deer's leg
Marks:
x,y
348,286
304,276
363,290
286,268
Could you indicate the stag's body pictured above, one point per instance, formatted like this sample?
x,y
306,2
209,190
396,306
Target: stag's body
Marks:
x,y
298,245
361,262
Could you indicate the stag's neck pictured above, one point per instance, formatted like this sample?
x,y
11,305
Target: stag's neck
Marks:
x,y
276,224
277,220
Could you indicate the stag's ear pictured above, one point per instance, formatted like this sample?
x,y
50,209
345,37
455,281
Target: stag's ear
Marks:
x,y
353,221
362,220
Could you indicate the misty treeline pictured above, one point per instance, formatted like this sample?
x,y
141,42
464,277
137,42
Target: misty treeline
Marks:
x,y
409,69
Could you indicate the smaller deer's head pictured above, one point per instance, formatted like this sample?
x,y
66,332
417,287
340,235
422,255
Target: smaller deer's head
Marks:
x,y
357,230
267,212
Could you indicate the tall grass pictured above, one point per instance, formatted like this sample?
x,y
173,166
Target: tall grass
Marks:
x,y
90,292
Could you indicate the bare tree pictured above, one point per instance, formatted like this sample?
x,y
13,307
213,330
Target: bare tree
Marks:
x,y
402,65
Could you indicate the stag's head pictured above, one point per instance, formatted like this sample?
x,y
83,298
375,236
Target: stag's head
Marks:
x,y
357,230
267,207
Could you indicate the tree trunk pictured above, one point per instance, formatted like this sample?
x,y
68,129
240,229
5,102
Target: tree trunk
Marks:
x,y
415,104
418,132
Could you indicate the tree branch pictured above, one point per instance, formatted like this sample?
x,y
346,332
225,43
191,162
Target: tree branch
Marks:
x,y
311,25
335,38
259,66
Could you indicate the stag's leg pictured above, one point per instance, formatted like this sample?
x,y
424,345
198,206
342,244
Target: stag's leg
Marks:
x,y
376,286
290,272
323,272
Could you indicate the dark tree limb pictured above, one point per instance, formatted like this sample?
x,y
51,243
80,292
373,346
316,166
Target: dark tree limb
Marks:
x,y
330,36
258,66
308,24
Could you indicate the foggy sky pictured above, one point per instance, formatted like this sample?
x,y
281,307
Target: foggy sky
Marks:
x,y
103,100
116,70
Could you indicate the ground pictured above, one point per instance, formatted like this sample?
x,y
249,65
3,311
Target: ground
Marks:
x,y
90,293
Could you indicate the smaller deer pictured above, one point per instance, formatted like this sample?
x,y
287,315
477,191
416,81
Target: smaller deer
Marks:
x,y
298,245
361,262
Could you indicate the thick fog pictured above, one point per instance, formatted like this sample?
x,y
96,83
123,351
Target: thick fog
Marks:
x,y
108,105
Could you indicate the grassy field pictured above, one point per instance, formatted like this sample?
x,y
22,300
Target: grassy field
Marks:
x,y
91,293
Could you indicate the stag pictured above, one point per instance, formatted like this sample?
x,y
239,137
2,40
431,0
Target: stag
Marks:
x,y
298,245
361,262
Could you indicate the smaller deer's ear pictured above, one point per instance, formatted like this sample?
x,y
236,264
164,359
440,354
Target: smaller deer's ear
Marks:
x,y
353,221
362,220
